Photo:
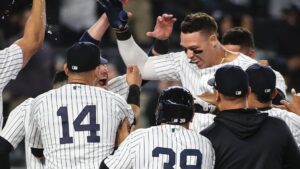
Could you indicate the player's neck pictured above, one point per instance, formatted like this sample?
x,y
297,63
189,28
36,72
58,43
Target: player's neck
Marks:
x,y
225,56
259,105
79,81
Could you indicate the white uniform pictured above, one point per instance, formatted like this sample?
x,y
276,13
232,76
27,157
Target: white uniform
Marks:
x,y
18,124
11,62
171,146
292,120
78,125
176,66
17,127
119,85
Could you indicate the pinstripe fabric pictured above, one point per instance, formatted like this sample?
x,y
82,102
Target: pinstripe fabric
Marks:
x,y
292,120
11,61
201,121
80,152
176,66
137,150
17,127
119,85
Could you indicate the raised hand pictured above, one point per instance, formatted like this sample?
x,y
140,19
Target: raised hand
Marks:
x,y
117,17
133,75
163,28
294,104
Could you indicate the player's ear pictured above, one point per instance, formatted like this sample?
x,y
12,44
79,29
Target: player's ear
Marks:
x,y
218,97
66,69
274,93
213,40
252,53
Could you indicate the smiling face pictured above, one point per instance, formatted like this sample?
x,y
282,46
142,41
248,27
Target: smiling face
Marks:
x,y
102,76
199,48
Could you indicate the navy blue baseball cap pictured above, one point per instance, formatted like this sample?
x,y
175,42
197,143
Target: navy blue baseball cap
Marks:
x,y
83,57
262,79
231,81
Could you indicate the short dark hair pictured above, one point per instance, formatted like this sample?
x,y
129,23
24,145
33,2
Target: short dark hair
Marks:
x,y
239,36
199,22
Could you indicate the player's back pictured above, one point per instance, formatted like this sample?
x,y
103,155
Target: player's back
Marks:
x,y
78,125
170,146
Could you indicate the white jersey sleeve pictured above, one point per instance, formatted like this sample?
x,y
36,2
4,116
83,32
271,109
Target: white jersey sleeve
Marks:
x,y
152,68
124,109
14,130
119,86
292,120
11,62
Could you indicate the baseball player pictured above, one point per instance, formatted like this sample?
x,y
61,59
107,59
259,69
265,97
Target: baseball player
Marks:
x,y
77,122
203,53
239,39
262,81
170,144
16,56
245,138
13,58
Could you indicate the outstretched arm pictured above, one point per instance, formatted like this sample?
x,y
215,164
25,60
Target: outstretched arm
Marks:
x,y
34,32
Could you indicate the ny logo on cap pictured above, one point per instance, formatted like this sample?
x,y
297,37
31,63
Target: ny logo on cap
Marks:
x,y
267,90
238,93
74,67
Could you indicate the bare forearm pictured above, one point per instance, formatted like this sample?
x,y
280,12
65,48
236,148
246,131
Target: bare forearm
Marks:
x,y
34,31
99,28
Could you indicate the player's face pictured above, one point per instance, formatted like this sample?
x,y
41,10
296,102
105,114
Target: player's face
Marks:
x,y
102,76
198,48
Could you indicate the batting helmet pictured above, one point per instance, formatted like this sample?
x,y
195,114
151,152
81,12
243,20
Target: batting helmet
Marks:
x,y
175,106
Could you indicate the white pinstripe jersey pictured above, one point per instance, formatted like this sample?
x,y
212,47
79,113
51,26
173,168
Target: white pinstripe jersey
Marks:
x,y
78,125
17,127
171,146
201,121
176,66
292,120
119,85
11,62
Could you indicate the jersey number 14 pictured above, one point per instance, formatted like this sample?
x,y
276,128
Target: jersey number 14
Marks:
x,y
92,127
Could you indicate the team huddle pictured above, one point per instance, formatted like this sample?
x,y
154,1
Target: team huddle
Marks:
x,y
223,116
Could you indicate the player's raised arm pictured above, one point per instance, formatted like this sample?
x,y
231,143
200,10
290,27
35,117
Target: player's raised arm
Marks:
x,y
131,53
134,81
34,31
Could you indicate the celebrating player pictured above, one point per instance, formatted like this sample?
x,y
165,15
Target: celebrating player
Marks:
x,y
170,144
81,120
203,54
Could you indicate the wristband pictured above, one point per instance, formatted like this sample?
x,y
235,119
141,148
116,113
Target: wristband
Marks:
x,y
161,46
134,95
123,34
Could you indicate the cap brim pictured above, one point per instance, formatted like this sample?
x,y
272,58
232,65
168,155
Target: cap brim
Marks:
x,y
103,60
211,82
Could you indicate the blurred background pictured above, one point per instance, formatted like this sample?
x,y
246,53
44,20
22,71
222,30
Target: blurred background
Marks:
x,y
274,23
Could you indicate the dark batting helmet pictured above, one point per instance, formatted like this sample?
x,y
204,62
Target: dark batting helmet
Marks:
x,y
175,106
